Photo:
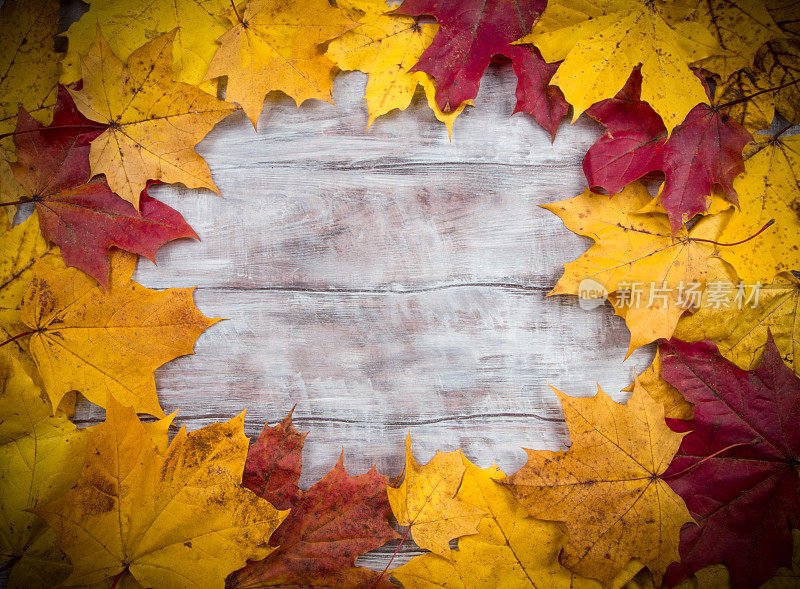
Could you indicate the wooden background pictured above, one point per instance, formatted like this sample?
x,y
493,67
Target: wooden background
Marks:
x,y
388,281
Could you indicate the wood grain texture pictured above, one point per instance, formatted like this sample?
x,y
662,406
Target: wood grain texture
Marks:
x,y
388,281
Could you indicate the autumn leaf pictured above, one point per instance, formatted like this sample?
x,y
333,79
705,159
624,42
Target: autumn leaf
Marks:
x,y
511,549
426,501
28,63
329,526
737,466
274,462
273,45
675,406
601,43
386,47
154,122
636,249
82,216
20,248
10,191
768,190
180,519
471,33
41,456
740,327
77,330
771,84
608,486
127,25
741,27
703,152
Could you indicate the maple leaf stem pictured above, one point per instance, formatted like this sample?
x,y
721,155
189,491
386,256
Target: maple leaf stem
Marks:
x,y
8,564
756,234
236,12
746,98
16,337
117,578
388,564
717,453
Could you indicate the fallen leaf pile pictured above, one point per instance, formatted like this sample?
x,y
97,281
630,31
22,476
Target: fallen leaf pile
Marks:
x,y
692,202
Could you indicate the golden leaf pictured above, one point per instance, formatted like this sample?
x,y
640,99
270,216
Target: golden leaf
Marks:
x,y
386,47
154,122
607,486
772,82
28,63
101,342
741,333
126,25
426,501
20,248
675,406
601,42
273,45
177,520
741,27
41,457
769,189
636,249
510,550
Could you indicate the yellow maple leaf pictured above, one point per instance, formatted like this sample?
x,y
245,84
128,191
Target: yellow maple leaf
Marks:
x,y
675,406
607,486
127,25
756,92
769,189
273,45
20,248
41,457
740,330
510,550
101,343
386,47
154,122
741,27
10,190
426,501
601,42
636,251
177,520
28,63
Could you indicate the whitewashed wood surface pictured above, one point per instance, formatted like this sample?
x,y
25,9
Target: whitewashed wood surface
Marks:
x,y
388,281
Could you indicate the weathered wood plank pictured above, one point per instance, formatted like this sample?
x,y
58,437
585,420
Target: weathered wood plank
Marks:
x,y
344,208
462,366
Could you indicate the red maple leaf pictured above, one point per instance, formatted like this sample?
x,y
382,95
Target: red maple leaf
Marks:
x,y
471,33
78,213
330,525
737,467
273,465
704,151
